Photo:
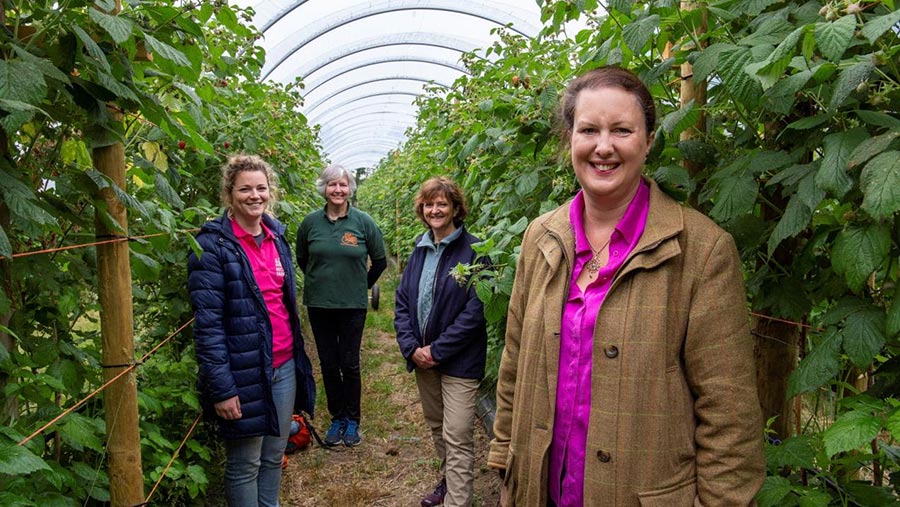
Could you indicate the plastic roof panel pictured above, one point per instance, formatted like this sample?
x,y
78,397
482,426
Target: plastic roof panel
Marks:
x,y
363,64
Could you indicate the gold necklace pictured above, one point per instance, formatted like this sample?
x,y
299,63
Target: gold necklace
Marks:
x,y
593,265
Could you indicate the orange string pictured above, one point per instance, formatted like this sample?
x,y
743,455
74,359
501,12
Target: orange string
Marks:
x,y
95,243
172,459
104,386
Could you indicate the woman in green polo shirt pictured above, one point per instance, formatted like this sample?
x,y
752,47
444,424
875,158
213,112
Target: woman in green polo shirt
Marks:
x,y
334,245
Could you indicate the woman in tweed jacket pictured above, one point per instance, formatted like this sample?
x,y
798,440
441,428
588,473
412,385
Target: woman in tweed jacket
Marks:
x,y
627,378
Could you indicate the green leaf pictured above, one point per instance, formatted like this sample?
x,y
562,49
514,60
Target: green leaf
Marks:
x,y
832,176
755,7
893,424
876,27
5,246
81,432
880,183
851,431
166,51
818,367
228,18
42,64
118,27
732,64
637,33
677,121
526,182
878,118
18,460
21,82
735,196
195,247
858,251
92,48
849,79
864,336
708,60
773,491
166,191
809,122
871,147
798,451
797,217
833,38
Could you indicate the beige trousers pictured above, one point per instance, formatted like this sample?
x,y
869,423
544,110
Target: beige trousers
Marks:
x,y
449,406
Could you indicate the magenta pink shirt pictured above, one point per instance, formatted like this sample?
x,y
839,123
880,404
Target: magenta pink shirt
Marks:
x,y
269,275
573,389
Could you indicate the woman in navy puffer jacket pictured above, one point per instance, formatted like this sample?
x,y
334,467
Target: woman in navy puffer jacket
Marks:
x,y
254,372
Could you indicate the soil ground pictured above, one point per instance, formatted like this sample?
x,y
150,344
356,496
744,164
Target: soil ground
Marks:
x,y
395,465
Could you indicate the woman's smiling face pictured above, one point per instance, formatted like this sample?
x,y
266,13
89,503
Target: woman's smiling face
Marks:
x,y
250,195
609,143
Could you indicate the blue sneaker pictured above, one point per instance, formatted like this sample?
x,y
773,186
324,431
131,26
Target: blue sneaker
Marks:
x,y
351,435
336,432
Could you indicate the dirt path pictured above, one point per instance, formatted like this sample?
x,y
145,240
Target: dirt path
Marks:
x,y
395,465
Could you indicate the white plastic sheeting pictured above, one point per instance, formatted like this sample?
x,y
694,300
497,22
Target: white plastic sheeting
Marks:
x,y
363,64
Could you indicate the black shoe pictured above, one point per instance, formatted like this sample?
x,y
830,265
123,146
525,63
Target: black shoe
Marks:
x,y
436,497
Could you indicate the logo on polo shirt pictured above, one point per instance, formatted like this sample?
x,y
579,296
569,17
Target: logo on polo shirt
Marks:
x,y
279,268
348,239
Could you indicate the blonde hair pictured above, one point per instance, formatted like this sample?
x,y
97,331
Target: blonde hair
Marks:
x,y
246,163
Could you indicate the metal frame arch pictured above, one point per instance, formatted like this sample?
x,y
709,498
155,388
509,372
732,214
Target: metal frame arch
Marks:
x,y
372,132
371,95
457,44
312,106
331,114
394,118
364,10
364,152
396,59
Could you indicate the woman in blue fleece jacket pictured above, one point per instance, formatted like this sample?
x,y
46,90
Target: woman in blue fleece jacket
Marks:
x,y
442,334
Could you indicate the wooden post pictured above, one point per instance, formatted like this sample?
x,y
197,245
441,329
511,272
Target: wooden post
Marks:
x,y
693,90
126,478
126,481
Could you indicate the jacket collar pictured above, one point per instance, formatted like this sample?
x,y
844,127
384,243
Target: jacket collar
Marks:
x,y
665,220
219,225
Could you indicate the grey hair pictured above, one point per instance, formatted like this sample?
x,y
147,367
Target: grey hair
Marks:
x,y
334,172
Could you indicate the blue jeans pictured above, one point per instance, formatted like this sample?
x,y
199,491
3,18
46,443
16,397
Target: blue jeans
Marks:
x,y
253,465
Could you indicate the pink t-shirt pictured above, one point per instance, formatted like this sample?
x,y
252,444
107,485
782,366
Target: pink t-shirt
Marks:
x,y
269,275
573,389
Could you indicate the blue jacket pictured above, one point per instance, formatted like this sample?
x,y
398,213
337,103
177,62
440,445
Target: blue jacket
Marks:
x,y
456,329
233,334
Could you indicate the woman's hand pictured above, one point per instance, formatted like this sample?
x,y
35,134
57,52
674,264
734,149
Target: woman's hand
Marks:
x,y
422,358
229,409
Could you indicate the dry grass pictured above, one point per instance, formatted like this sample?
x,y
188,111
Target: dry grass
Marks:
x,y
395,465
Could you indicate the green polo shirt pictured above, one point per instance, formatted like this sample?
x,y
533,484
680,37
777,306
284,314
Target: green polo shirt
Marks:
x,y
335,255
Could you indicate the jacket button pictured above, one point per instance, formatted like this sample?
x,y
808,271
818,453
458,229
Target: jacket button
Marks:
x,y
611,351
603,456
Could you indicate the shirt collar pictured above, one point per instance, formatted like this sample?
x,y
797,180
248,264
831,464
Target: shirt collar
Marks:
x,y
627,226
427,241
240,233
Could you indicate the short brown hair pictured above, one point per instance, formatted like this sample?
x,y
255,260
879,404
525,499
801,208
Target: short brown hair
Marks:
x,y
441,185
610,76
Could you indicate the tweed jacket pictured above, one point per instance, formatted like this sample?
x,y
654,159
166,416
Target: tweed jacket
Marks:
x,y
674,419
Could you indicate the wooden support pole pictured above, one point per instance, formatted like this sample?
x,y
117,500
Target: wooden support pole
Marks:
x,y
126,481
695,90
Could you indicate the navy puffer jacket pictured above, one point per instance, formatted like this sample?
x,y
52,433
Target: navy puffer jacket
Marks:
x,y
456,328
233,334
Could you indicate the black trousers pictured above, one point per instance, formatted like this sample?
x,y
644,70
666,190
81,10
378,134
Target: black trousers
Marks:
x,y
338,334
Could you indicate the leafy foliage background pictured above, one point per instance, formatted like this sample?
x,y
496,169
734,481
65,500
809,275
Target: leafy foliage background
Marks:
x,y
789,142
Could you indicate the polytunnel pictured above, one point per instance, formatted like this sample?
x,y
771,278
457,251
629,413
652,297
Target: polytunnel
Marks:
x,y
363,64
